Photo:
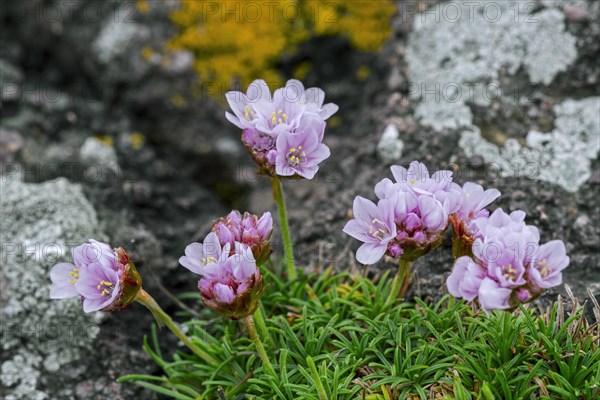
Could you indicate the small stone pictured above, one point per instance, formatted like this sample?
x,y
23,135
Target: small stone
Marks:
x,y
99,153
390,145
11,143
581,222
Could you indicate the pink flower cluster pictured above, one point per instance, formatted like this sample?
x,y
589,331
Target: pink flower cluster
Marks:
x,y
231,282
284,132
508,265
413,213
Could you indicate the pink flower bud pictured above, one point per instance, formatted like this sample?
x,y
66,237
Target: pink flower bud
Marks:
x,y
247,229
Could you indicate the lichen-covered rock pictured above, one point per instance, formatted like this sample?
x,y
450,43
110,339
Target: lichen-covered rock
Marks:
x,y
440,115
116,36
562,157
457,58
40,223
100,154
10,82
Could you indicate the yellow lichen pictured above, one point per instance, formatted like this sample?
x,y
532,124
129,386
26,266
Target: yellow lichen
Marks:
x,y
143,6
365,23
363,73
301,70
105,140
147,53
235,42
178,101
137,140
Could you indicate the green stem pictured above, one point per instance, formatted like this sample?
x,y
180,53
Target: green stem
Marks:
x,y
318,384
400,282
285,228
249,324
259,318
162,318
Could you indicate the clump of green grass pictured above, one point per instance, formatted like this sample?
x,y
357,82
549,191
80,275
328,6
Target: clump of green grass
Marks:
x,y
332,336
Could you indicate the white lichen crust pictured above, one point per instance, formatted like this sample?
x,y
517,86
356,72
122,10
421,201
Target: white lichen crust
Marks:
x,y
40,223
458,50
562,157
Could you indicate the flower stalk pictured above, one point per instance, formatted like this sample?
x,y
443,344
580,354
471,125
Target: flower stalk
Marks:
x,y
162,318
248,322
285,228
400,282
262,326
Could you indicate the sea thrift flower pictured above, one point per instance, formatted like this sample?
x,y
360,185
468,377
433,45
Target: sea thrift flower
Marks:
x,y
231,284
508,267
247,229
300,154
545,269
421,204
373,225
103,277
283,132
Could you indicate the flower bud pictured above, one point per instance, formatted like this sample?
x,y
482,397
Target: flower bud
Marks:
x,y
247,229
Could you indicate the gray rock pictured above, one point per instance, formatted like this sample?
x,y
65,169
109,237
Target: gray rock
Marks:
x,y
10,81
456,61
40,223
115,37
562,157
11,144
99,154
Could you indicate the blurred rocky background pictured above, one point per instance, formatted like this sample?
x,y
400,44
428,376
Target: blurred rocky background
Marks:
x,y
112,127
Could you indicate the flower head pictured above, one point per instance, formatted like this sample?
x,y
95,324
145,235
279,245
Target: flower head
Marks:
x,y
247,229
283,132
421,204
507,266
231,284
105,278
